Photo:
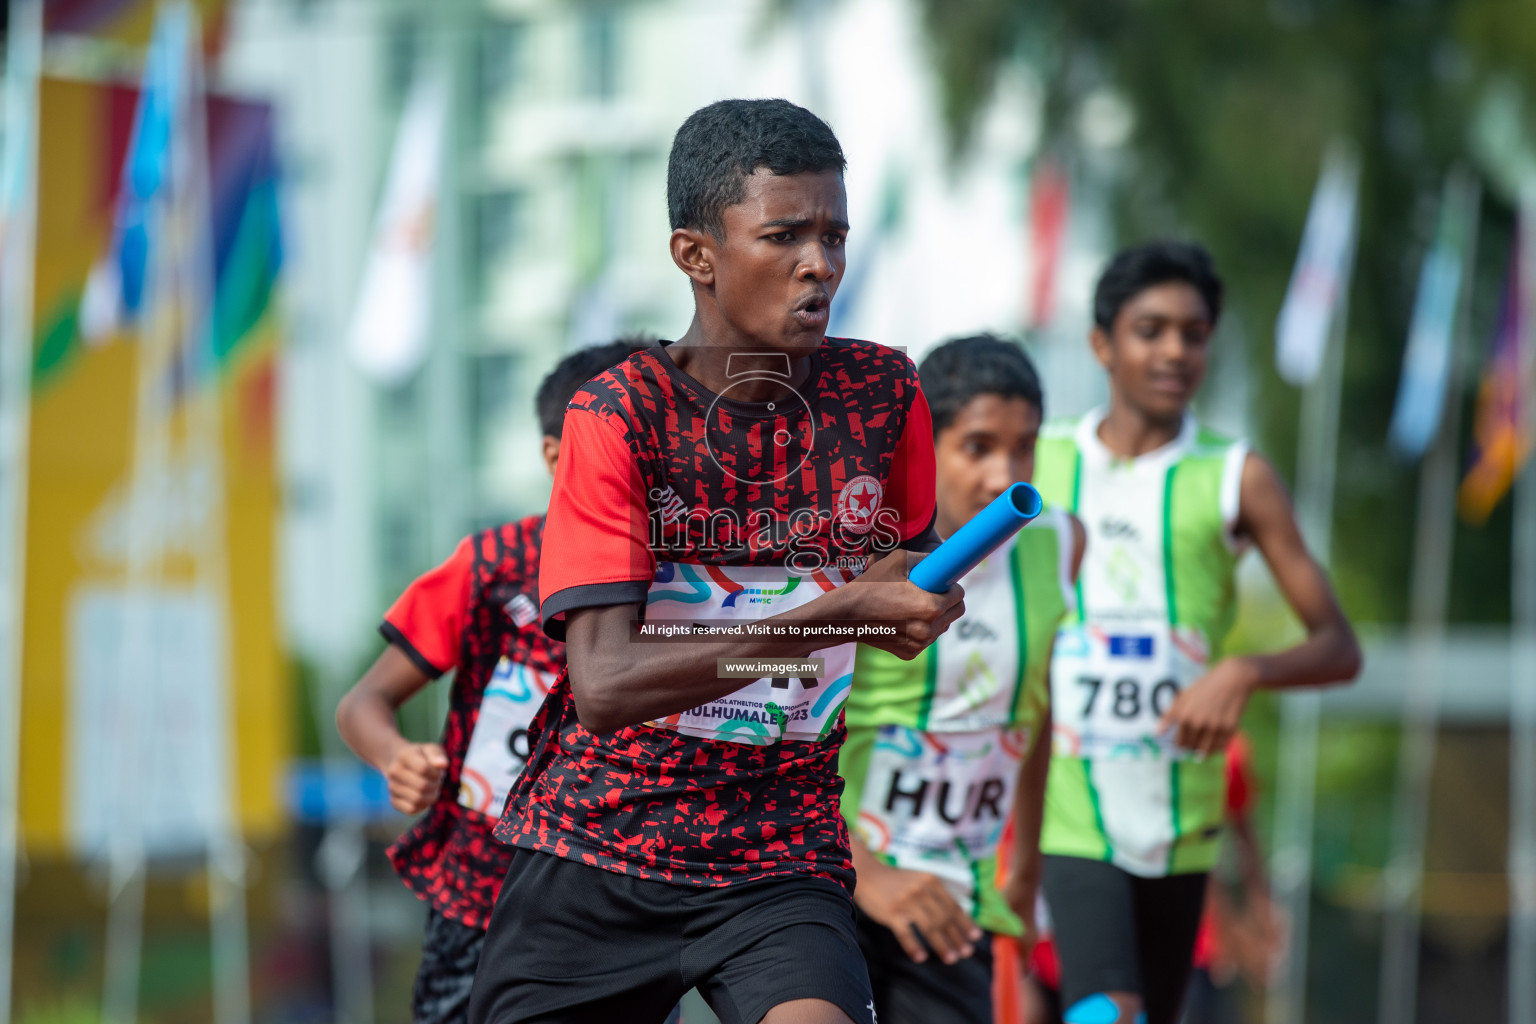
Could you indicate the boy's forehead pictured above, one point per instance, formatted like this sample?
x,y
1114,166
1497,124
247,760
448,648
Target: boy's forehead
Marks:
x,y
1173,299
809,194
990,411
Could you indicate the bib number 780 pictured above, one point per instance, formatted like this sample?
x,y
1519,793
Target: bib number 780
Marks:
x,y
1127,697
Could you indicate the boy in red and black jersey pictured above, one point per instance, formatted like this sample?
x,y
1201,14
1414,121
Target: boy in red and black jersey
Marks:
x,y
476,614
674,828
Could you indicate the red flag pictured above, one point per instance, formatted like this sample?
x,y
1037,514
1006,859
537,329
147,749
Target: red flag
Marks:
x,y
1049,199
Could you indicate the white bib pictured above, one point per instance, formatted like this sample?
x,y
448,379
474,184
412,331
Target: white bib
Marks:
x,y
1111,686
498,748
937,802
765,710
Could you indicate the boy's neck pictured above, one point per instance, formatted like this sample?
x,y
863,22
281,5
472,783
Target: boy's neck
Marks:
x,y
944,524
704,354
1131,433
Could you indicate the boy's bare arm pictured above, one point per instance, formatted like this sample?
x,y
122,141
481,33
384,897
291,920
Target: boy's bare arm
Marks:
x,y
1330,653
1208,712
365,717
1025,861
617,682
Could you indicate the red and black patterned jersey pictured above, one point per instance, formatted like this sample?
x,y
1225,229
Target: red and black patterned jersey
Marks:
x,y
477,613
699,506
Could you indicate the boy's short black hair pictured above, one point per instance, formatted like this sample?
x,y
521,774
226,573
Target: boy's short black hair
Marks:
x,y
557,389
984,364
719,145
1140,267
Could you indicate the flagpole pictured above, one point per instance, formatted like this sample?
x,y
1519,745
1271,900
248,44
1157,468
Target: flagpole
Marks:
x,y
450,504
142,659
198,287
18,218
1522,698
1522,761
1296,785
1433,549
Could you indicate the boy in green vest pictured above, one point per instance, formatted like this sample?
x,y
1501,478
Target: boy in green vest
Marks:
x,y
942,750
1144,702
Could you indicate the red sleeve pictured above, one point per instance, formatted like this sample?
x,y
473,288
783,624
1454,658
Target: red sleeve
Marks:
x,y
596,547
427,621
912,485
1239,778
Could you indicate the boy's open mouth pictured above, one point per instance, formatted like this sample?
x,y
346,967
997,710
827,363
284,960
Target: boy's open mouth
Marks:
x,y
812,310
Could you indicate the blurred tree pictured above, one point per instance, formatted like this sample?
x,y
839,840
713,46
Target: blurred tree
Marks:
x,y
1233,104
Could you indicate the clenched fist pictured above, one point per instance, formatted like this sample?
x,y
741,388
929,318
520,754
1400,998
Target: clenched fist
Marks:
x,y
415,776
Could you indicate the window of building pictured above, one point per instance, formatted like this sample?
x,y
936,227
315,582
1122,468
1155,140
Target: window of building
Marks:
x,y
599,59
494,227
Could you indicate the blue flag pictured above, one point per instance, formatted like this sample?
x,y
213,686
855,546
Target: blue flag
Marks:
x,y
1431,333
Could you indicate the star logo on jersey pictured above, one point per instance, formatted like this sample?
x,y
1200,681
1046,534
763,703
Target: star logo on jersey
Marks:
x,y
857,503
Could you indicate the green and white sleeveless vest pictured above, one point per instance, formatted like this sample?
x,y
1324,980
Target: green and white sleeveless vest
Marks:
x,y
935,744
1155,600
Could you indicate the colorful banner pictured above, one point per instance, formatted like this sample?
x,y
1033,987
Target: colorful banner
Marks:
x,y
1506,403
1432,332
1321,276
222,695
127,21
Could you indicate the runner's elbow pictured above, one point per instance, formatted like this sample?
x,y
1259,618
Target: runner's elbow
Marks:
x,y
1351,659
598,707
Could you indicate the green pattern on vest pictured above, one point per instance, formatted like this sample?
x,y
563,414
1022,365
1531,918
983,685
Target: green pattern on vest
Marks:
x,y
948,697
1170,510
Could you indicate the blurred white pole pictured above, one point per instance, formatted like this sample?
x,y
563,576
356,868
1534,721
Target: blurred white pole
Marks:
x,y
143,646
1296,786
198,288
1433,547
1522,758
18,223
449,496
1522,679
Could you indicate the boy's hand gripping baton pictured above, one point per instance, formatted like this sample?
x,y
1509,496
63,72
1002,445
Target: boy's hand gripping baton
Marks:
x,y
977,539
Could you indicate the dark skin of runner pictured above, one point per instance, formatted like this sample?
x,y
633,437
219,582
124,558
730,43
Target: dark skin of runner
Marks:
x,y
765,285
1155,354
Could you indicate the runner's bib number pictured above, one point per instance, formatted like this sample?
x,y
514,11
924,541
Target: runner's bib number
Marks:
x,y
1111,685
937,802
498,748
766,710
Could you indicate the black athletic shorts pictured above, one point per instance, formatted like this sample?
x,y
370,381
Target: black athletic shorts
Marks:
x,y
571,944
449,956
931,992
1117,932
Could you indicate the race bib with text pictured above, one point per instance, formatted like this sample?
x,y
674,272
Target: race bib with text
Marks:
x,y
766,710
498,748
1111,685
937,802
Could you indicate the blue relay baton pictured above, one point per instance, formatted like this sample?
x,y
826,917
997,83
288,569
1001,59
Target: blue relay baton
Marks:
x,y
977,539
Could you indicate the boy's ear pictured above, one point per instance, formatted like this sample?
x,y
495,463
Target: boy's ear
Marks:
x,y
694,253
551,453
1103,347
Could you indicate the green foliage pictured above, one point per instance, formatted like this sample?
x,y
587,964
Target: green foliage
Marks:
x,y
67,1011
1234,104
